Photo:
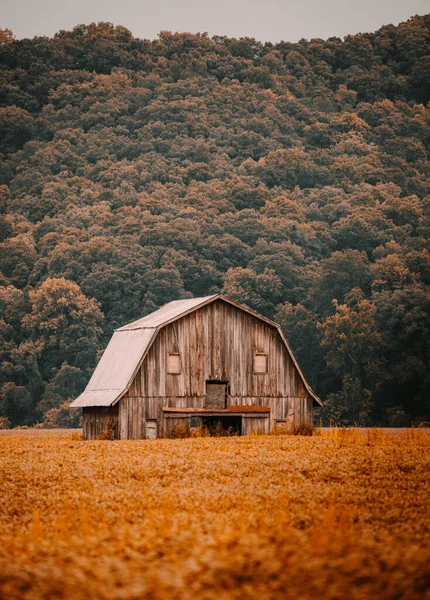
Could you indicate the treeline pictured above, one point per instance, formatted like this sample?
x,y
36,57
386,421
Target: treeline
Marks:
x,y
292,177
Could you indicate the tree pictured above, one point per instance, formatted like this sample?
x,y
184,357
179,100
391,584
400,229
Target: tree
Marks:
x,y
165,285
16,404
259,292
63,416
17,126
351,347
300,326
66,384
65,324
338,275
403,318
6,36
391,272
18,255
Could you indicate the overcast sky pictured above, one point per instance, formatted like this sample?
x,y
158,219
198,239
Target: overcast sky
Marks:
x,y
266,20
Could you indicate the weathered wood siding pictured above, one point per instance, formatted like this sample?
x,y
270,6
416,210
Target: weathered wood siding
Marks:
x,y
134,412
100,422
216,343
132,418
255,424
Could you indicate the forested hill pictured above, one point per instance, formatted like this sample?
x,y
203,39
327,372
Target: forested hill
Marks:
x,y
291,176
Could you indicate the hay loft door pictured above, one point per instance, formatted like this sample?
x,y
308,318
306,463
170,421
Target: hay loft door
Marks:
x,y
216,395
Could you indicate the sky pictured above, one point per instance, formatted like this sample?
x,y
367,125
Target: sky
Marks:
x,y
266,20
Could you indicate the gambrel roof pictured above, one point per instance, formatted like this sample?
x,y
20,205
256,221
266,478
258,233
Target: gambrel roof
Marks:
x,y
129,345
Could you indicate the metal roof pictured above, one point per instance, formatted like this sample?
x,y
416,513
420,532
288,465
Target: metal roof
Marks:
x,y
167,313
117,367
129,345
127,349
96,398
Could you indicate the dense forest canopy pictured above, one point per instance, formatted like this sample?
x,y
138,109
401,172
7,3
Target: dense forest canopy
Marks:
x,y
292,177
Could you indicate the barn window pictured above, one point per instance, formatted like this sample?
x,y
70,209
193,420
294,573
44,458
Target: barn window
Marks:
x,y
260,362
173,363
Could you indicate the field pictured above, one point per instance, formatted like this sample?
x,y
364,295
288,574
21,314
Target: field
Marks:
x,y
344,514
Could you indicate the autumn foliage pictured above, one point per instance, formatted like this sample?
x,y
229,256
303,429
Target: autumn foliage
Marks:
x,y
292,177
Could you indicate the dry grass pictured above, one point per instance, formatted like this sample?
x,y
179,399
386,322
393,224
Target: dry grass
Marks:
x,y
344,514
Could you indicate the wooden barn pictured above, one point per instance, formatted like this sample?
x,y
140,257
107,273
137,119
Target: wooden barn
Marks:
x,y
196,362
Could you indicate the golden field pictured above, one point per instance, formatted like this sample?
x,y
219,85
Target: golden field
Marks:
x,y
344,514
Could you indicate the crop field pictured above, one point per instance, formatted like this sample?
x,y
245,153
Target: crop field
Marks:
x,y
343,514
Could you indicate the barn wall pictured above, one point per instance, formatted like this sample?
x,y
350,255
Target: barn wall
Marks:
x,y
100,422
216,342
258,425
132,418
135,412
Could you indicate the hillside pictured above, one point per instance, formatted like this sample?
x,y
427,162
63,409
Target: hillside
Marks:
x,y
294,177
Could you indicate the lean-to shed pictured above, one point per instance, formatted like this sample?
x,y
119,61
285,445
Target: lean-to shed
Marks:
x,y
196,362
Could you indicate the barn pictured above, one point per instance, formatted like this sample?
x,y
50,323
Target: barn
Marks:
x,y
196,362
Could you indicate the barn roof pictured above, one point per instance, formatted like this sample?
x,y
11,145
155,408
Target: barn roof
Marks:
x,y
129,345
168,312
115,371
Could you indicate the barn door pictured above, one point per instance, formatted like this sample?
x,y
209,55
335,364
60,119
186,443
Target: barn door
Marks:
x,y
216,395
